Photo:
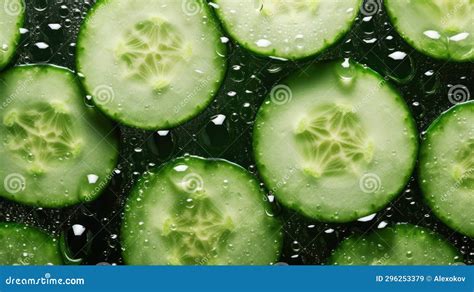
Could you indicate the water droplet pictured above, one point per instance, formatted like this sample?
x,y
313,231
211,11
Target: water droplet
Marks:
x,y
432,34
263,43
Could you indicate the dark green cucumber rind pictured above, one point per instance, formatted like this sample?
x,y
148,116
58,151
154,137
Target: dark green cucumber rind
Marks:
x,y
302,57
413,44
17,38
73,78
261,116
123,120
128,254
384,237
40,237
424,155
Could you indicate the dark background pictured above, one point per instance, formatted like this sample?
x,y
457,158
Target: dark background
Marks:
x,y
248,80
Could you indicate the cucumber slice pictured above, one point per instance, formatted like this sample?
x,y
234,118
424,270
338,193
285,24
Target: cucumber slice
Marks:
x,y
23,245
439,28
335,142
403,244
446,168
287,29
55,150
151,65
11,20
195,211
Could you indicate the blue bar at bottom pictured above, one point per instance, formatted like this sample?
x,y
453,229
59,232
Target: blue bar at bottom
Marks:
x,y
276,278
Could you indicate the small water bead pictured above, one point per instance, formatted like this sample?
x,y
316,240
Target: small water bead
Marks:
x,y
54,26
459,37
163,144
263,43
348,47
400,67
76,242
382,224
369,40
299,41
346,72
41,45
274,69
367,25
63,11
4,47
432,34
295,246
398,55
40,5
216,133
367,218
92,178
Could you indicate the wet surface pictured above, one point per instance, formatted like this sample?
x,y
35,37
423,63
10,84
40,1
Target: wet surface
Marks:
x,y
90,233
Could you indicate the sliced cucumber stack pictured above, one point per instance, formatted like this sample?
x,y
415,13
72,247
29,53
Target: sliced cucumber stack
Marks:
x,y
287,29
403,244
55,150
195,211
335,142
151,65
446,168
23,245
12,14
439,28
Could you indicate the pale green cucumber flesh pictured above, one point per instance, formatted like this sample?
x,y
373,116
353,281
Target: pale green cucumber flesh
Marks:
x,y
151,66
55,150
446,168
335,142
403,244
442,29
195,211
23,245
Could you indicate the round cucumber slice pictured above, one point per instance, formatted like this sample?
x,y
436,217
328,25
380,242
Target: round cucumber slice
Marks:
x,y
151,66
446,168
439,28
23,245
335,142
55,150
287,29
403,244
195,211
12,14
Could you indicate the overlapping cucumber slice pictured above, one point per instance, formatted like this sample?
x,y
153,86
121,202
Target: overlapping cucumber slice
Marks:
x,y
287,29
23,245
446,168
439,28
55,150
151,65
402,244
12,14
335,142
195,211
